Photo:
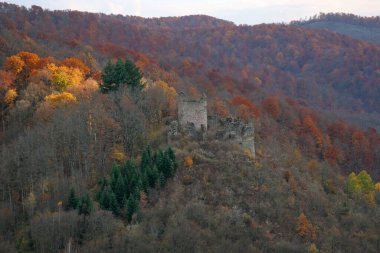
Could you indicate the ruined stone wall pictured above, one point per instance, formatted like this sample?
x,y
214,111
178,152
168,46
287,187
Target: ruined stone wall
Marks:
x,y
192,112
235,131
193,121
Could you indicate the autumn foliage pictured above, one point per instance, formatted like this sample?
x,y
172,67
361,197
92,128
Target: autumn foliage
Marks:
x,y
315,131
58,130
245,108
272,106
188,161
305,229
10,96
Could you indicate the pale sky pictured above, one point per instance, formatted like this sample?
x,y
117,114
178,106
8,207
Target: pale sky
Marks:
x,y
239,11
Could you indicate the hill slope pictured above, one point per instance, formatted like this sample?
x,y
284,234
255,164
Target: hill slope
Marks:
x,y
326,70
366,29
90,171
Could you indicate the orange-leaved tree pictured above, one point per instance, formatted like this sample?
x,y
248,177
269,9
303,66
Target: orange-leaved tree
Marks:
x,y
315,131
272,106
305,229
246,109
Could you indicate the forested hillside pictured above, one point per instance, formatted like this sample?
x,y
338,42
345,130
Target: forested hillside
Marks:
x,y
367,29
324,69
86,166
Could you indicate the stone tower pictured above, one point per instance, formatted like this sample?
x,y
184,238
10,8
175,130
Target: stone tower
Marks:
x,y
192,111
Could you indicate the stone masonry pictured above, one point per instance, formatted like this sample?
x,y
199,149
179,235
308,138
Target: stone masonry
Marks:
x,y
193,121
191,111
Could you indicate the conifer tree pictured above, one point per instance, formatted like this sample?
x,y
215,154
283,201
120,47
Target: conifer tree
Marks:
x,y
172,158
108,78
121,73
108,201
133,75
152,176
119,190
85,205
146,159
132,206
161,179
72,201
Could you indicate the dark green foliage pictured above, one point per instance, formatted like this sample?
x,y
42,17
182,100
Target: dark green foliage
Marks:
x,y
107,200
133,74
121,73
152,176
108,77
85,205
128,180
119,190
161,179
72,201
132,206
172,157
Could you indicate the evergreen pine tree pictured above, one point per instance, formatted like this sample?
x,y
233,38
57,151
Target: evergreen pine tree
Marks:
x,y
108,78
72,201
134,75
152,176
115,175
172,158
85,205
113,205
103,183
132,206
161,179
120,73
159,157
120,190
146,159
167,166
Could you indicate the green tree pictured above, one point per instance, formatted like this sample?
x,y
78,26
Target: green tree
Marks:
x,y
146,159
119,190
353,185
134,75
107,200
85,206
172,158
152,176
132,206
108,78
360,184
161,179
365,181
72,201
121,73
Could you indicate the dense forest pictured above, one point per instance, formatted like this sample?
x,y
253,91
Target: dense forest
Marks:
x,y
85,165
362,28
323,69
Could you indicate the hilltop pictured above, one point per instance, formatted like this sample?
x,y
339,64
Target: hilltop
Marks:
x,y
362,28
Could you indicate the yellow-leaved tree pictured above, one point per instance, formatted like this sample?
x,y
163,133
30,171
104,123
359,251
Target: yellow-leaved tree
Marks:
x,y
63,76
171,95
361,185
188,161
14,64
10,96
61,97
377,187
118,153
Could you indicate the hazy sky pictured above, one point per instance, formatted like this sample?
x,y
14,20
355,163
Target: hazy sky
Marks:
x,y
238,11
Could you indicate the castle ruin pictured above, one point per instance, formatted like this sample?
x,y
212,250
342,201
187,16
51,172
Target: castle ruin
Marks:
x,y
192,112
193,121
